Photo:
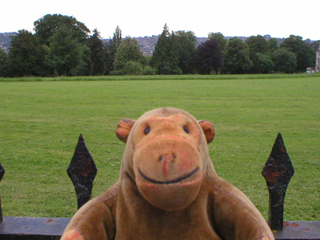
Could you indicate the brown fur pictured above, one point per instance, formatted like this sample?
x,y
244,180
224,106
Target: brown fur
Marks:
x,y
168,188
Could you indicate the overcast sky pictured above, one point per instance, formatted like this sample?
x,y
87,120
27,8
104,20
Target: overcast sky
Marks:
x,y
279,18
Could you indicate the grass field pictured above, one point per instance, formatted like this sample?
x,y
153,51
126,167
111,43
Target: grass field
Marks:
x,y
41,119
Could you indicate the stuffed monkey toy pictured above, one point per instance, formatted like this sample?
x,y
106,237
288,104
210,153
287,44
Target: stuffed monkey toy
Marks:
x,y
168,188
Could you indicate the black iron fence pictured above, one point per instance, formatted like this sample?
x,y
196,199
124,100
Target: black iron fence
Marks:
x,y
277,171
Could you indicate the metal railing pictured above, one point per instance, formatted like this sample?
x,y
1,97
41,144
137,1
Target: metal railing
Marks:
x,y
277,171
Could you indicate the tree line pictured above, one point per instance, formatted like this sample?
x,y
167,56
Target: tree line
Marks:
x,y
61,45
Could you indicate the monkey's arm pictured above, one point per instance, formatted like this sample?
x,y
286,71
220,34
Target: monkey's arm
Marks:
x,y
235,216
94,220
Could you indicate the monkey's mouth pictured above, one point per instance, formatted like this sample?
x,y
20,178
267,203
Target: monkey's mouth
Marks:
x,y
171,181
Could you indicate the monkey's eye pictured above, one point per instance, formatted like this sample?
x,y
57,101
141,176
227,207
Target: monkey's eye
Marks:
x,y
147,130
186,129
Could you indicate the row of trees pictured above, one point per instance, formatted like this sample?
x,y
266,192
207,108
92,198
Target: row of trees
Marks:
x,y
61,45
176,53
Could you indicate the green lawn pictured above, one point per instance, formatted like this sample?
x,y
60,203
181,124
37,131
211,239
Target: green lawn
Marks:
x,y
41,119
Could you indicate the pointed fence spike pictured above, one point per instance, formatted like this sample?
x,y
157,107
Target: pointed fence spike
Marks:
x,y
277,171
2,171
82,171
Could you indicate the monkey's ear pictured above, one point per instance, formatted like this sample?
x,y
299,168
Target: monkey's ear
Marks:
x,y
123,129
208,130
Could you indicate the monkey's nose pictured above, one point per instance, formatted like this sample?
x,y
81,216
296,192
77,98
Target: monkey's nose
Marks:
x,y
171,156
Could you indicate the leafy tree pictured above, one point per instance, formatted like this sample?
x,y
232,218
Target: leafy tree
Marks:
x,y
285,61
26,56
222,42
84,65
3,57
97,54
273,45
46,27
237,58
129,50
112,48
166,54
148,70
147,60
133,68
302,50
65,39
107,59
3,62
257,44
65,52
186,43
208,57
263,63
310,56
117,39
